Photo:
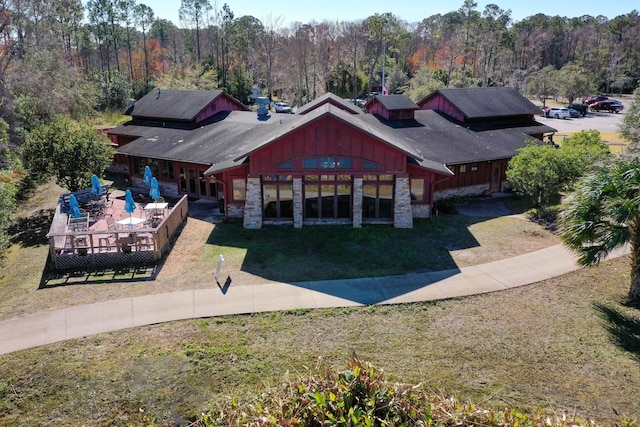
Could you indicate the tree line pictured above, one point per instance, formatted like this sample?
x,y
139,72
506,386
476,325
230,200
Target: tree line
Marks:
x,y
66,58
108,50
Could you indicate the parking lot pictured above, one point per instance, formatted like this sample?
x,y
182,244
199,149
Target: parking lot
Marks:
x,y
602,121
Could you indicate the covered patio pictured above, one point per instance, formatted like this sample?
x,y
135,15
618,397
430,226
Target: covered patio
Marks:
x,y
105,234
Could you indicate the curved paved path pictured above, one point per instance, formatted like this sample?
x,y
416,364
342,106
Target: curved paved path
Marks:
x,y
80,321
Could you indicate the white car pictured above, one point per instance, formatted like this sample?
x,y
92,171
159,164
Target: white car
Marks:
x,y
557,113
282,107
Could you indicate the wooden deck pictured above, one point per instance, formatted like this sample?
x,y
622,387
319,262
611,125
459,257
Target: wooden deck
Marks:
x,y
97,246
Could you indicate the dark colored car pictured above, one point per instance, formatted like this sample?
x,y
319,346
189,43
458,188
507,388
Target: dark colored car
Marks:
x,y
592,99
574,113
610,105
581,108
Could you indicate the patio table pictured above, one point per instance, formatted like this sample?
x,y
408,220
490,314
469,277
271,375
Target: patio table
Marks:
x,y
131,221
156,207
157,211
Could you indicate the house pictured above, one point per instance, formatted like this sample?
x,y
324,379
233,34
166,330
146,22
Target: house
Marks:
x,y
329,163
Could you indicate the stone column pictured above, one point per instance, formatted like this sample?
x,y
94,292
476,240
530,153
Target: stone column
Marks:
x,y
402,215
297,202
357,203
253,204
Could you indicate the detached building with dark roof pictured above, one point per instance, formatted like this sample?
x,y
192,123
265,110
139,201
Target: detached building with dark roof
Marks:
x,y
330,163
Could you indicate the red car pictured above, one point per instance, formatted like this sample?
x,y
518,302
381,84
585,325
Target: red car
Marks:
x,y
593,99
610,105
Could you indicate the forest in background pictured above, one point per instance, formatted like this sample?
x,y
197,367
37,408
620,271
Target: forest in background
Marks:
x,y
66,58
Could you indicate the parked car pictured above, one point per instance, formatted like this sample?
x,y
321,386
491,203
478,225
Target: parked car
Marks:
x,y
282,107
581,108
610,105
592,99
574,113
557,113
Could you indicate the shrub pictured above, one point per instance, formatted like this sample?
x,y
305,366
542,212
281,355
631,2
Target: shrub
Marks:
x,y
360,396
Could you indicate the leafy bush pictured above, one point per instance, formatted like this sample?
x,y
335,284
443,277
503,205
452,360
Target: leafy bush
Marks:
x,y
360,396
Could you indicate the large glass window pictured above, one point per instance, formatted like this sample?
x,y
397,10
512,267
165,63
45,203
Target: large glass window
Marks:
x,y
277,196
327,196
417,189
166,170
239,189
377,196
162,169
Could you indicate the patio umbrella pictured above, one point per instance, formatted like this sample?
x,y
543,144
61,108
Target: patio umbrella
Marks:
x,y
154,191
147,175
74,208
129,204
96,188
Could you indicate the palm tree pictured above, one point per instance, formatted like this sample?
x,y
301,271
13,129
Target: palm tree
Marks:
x,y
603,213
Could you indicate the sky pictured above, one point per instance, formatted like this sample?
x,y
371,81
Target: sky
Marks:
x,y
305,11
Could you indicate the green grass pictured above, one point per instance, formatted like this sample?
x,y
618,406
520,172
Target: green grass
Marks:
x,y
331,252
314,253
563,345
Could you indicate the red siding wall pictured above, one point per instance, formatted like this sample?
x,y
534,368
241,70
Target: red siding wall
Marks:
x,y
227,177
221,103
469,178
429,178
377,108
328,137
441,104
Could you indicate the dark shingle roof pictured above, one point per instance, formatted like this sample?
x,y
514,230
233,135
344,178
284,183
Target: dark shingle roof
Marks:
x,y
436,137
487,102
218,143
180,105
394,102
332,99
433,140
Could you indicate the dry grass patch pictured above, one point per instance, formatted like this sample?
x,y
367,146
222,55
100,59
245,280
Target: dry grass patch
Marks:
x,y
255,256
558,345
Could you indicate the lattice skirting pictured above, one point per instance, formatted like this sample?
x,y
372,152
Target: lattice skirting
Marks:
x,y
64,262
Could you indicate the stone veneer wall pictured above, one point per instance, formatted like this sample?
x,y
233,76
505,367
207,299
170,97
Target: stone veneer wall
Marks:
x,y
297,202
421,211
402,213
253,204
235,211
357,203
473,190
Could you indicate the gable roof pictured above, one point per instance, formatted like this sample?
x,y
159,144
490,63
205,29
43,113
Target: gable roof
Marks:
x,y
332,99
217,143
380,133
393,102
486,102
180,105
435,136
432,139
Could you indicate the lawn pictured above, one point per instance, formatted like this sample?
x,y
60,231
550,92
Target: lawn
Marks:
x,y
563,345
567,344
274,253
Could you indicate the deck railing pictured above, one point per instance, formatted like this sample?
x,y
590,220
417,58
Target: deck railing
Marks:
x,y
102,248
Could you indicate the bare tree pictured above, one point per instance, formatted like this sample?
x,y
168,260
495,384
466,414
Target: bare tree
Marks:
x,y
269,43
193,12
144,20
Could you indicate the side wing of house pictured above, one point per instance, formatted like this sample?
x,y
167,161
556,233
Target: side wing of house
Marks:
x,y
167,120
